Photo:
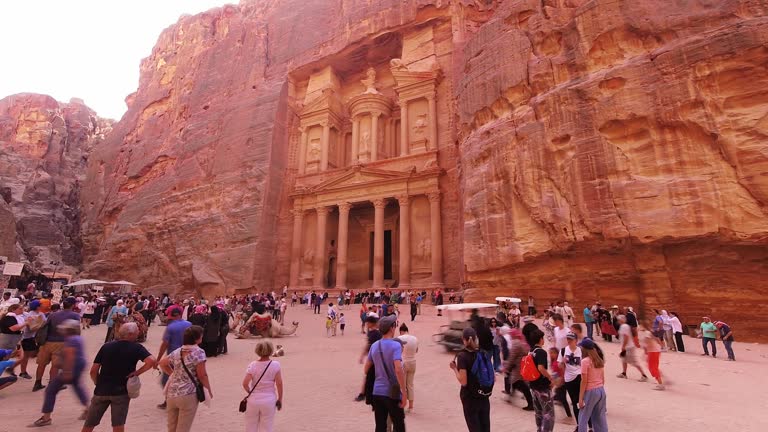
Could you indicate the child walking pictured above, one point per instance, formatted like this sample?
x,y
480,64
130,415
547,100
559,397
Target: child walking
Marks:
x,y
328,325
557,375
342,323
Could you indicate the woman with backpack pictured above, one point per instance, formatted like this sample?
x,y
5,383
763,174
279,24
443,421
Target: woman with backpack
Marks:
x,y
474,396
534,370
592,400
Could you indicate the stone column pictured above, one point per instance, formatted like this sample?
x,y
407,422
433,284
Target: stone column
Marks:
x,y
436,239
341,256
386,145
405,241
355,140
322,222
303,150
324,146
374,136
378,243
404,148
298,221
432,123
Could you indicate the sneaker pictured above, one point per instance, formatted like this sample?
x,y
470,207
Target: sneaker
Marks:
x,y
622,375
360,398
25,375
11,373
528,408
644,379
162,405
705,354
41,422
659,387
37,387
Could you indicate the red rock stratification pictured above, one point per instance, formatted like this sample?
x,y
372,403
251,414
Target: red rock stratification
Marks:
x,y
610,150
44,147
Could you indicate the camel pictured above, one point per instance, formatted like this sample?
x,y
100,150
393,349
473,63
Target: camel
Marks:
x,y
263,325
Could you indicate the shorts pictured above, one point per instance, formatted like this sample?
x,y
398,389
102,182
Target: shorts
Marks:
x,y
6,380
342,326
88,316
29,345
631,358
49,353
99,404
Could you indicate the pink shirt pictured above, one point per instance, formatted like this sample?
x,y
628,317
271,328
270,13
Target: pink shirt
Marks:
x,y
595,377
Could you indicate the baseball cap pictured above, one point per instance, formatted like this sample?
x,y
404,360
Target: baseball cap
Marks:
x,y
469,332
387,322
587,343
571,336
70,301
34,305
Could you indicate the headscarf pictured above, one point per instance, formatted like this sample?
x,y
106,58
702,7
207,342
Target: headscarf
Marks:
x,y
200,309
719,324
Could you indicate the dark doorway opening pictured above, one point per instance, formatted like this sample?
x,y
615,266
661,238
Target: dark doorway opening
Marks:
x,y
387,255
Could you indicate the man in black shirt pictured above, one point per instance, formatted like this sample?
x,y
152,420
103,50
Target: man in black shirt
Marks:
x,y
114,364
484,335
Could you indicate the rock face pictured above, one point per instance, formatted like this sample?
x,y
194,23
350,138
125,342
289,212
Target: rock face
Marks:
x,y
602,149
44,147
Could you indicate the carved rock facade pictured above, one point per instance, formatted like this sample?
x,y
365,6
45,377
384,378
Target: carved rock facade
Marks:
x,y
582,149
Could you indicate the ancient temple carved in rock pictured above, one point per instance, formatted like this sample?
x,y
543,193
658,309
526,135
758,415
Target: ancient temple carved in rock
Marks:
x,y
366,196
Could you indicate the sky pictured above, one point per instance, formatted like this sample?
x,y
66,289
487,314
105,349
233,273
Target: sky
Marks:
x,y
88,49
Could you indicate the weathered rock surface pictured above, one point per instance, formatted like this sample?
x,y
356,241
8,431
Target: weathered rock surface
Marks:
x,y
621,154
606,149
44,147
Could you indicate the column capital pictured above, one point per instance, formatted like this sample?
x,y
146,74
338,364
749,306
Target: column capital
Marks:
x,y
323,210
379,203
376,114
434,196
430,96
404,200
344,206
298,211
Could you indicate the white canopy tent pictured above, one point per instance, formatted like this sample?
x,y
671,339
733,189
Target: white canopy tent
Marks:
x,y
86,282
120,282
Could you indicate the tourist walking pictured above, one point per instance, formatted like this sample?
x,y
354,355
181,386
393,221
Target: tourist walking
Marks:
x,y
114,364
8,359
588,321
570,357
629,349
496,353
592,399
474,397
677,329
568,314
531,306
669,335
410,348
72,368
34,320
541,388
173,339
389,387
262,378
726,335
518,348
185,367
52,343
560,331
708,336
652,347
12,326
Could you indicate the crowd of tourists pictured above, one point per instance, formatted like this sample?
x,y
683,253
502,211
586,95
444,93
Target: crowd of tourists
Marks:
x,y
551,361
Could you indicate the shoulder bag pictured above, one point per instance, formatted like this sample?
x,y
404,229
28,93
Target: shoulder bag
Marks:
x,y
199,390
394,386
244,402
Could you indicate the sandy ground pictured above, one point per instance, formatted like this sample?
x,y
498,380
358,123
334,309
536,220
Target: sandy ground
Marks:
x,y
322,376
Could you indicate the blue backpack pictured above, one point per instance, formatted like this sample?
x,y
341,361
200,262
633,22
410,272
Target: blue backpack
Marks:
x,y
482,371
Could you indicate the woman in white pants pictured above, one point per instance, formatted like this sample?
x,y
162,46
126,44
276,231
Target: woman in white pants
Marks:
x,y
262,377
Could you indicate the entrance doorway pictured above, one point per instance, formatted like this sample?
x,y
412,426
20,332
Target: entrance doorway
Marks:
x,y
387,255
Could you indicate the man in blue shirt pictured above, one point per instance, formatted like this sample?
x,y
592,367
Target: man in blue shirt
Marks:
x,y
588,320
173,339
7,363
386,357
726,335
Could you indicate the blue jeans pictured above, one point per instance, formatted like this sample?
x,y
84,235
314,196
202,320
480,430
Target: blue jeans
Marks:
x,y
729,349
705,341
594,410
589,329
55,386
496,358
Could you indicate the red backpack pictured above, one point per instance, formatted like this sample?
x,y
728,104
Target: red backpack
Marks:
x,y
528,369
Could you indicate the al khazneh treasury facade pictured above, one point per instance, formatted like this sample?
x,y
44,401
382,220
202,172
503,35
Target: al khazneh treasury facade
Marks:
x,y
370,154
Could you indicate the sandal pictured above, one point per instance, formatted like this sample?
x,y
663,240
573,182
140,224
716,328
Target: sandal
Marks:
x,y
42,422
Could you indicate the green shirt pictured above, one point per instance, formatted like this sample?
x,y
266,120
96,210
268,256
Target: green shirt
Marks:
x,y
709,330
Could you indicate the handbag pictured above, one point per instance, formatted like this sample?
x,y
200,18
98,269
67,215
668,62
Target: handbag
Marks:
x,y
199,390
244,402
394,389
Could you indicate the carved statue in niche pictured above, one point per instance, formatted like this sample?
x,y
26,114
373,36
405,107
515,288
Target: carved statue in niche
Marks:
x,y
425,249
365,141
419,126
309,256
370,82
314,150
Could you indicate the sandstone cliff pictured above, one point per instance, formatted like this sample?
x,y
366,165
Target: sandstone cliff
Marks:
x,y
610,150
44,147
623,156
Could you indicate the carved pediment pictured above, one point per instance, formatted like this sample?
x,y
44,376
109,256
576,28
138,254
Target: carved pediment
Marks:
x,y
358,175
327,101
